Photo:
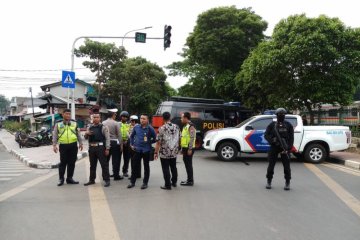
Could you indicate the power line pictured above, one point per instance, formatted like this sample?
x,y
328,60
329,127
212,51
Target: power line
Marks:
x,y
37,70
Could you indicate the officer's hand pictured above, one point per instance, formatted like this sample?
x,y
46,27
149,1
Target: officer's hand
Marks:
x,y
88,132
107,152
156,156
55,148
132,147
81,147
189,152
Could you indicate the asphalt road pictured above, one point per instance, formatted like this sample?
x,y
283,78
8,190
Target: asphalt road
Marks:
x,y
228,201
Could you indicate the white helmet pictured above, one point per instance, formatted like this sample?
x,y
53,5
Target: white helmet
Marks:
x,y
134,117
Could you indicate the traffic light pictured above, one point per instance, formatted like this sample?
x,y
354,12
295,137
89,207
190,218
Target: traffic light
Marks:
x,y
167,36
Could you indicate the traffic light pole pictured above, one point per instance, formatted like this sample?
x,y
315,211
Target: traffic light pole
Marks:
x,y
73,59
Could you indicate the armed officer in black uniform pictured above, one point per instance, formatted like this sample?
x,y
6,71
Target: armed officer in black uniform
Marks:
x,y
280,135
99,146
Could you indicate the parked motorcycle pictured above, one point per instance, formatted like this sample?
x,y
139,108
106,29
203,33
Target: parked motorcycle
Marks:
x,y
36,139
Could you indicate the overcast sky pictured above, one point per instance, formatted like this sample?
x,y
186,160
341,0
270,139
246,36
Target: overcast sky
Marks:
x,y
38,34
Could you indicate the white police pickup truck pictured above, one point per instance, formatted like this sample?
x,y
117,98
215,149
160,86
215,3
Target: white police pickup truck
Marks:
x,y
314,143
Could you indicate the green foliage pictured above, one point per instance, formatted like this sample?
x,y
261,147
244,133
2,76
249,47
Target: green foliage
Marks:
x,y
14,126
307,62
4,104
102,58
215,50
141,83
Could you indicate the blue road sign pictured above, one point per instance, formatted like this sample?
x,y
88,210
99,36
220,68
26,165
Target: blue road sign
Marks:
x,y
68,79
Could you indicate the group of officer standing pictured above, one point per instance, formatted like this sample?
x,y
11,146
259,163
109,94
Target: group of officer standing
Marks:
x,y
111,140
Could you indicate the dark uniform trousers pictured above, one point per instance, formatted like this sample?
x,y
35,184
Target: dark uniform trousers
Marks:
x,y
188,164
138,171
167,163
272,157
115,155
68,156
97,153
136,165
126,156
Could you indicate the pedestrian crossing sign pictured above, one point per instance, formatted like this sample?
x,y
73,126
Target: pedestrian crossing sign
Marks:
x,y
68,79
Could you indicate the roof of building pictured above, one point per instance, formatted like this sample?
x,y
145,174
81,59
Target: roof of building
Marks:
x,y
44,87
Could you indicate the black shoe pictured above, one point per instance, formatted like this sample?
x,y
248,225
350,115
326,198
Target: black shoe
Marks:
x,y
107,184
131,185
61,182
71,181
287,186
89,183
144,186
112,175
174,184
186,183
125,175
268,185
165,188
118,178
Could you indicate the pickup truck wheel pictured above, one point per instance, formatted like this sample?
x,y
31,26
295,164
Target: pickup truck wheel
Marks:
x,y
315,153
227,151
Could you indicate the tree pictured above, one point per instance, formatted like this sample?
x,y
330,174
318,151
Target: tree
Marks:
x,y
142,84
103,57
4,104
215,50
307,62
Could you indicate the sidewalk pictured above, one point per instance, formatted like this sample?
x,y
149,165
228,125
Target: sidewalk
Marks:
x,y
37,157
348,159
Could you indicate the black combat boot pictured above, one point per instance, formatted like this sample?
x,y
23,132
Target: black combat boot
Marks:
x,y
287,185
268,185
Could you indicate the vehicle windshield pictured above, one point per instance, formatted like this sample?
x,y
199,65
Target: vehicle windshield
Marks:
x,y
244,122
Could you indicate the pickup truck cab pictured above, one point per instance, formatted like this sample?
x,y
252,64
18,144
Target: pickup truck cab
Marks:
x,y
314,143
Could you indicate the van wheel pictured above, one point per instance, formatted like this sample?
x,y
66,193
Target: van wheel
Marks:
x,y
227,151
315,153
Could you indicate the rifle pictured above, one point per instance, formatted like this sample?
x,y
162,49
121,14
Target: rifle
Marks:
x,y
283,143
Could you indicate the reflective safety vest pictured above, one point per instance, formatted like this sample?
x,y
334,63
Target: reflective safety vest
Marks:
x,y
185,137
67,133
124,130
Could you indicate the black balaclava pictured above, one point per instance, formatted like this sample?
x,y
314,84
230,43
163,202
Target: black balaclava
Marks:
x,y
280,117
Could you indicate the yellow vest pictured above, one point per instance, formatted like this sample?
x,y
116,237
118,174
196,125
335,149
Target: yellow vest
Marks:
x,y
185,137
124,130
67,134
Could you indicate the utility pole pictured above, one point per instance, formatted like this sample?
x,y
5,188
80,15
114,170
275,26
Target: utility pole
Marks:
x,y
32,102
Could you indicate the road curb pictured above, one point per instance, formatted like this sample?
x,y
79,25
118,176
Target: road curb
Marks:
x,y
32,164
347,163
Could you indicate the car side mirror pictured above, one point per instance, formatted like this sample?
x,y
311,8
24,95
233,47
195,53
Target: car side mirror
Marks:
x,y
249,128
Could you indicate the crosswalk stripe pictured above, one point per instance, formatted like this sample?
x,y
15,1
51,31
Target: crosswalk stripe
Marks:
x,y
5,179
9,175
14,171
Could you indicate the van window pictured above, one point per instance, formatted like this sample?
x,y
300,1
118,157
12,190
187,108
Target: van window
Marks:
x,y
261,124
214,114
195,113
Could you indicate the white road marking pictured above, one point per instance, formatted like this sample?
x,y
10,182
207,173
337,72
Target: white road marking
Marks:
x,y
352,202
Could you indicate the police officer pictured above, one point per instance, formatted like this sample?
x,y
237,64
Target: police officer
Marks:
x,y
99,148
67,134
284,130
115,143
124,130
187,142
